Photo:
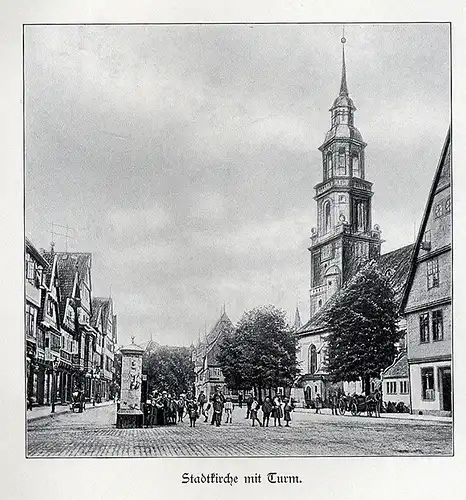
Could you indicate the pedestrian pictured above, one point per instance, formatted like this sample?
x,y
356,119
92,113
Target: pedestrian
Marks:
x,y
228,410
180,406
253,411
205,411
218,400
201,401
318,403
287,409
192,409
267,407
248,405
240,400
334,402
277,411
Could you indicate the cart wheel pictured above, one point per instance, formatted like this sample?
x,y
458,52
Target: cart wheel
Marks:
x,y
342,407
354,409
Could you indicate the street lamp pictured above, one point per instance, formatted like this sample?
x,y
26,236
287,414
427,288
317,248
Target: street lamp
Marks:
x,y
54,383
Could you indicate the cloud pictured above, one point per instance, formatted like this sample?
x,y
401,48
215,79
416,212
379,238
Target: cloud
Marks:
x,y
185,156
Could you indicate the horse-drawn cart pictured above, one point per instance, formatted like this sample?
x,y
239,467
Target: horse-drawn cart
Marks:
x,y
357,404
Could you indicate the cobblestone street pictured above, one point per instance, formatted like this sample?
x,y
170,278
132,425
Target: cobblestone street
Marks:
x,y
93,434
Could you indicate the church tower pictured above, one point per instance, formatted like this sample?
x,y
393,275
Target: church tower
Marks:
x,y
344,237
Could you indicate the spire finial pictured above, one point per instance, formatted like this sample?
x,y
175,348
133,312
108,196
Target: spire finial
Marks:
x,y
343,86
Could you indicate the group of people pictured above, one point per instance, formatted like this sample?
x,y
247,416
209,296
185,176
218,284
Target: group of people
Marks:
x,y
276,407
163,408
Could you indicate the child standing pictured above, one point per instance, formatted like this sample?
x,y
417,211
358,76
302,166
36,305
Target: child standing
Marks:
x,y
287,409
228,410
254,409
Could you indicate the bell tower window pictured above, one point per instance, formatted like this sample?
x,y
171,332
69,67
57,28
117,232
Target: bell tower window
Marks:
x,y
341,161
329,166
355,166
327,217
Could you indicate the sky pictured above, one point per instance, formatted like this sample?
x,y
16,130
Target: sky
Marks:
x,y
184,157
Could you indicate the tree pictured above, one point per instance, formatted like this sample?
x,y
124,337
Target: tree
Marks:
x,y
261,353
363,322
169,369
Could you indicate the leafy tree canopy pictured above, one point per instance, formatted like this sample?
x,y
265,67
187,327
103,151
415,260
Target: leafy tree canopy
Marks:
x,y
363,322
169,369
261,353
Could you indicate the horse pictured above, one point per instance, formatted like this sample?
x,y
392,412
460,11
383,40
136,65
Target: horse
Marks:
x,y
373,404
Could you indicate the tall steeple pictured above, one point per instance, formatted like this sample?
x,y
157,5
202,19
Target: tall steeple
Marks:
x,y
297,320
343,85
344,236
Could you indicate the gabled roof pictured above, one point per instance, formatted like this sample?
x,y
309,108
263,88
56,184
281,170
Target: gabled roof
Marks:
x,y
96,317
394,264
444,161
207,348
68,265
35,253
105,305
399,368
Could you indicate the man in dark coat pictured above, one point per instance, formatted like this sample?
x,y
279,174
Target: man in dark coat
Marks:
x,y
218,400
248,405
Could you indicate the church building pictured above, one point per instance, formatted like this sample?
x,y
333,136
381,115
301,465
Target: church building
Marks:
x,y
345,237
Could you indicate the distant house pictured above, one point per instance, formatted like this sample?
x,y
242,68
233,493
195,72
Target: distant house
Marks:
x,y
208,373
395,381
104,322
427,299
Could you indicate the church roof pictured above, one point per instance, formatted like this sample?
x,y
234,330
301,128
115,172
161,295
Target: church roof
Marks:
x,y
399,368
209,347
394,264
343,130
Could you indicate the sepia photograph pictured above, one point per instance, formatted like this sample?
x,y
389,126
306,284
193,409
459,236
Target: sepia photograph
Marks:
x,y
238,240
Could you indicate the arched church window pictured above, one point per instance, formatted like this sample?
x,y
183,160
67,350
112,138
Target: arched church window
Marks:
x,y
341,161
329,166
327,217
312,359
361,216
355,166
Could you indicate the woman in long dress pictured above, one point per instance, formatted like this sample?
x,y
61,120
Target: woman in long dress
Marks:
x,y
277,411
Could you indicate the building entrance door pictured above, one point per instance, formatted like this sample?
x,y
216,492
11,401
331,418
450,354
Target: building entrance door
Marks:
x,y
445,378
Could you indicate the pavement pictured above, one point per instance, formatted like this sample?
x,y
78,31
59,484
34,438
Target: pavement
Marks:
x,y
40,412
93,434
397,416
